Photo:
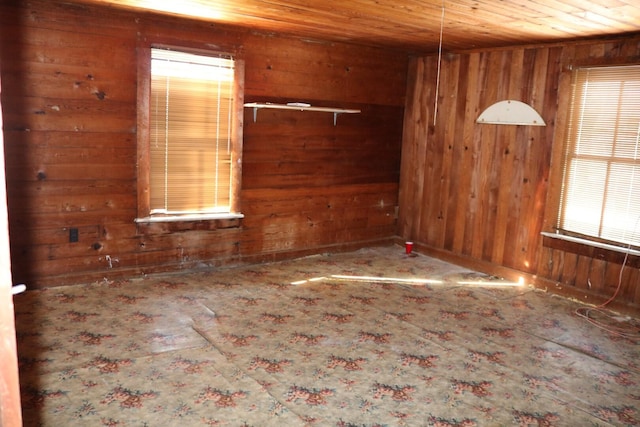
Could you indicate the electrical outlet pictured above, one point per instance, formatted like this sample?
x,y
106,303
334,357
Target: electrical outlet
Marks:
x,y
73,235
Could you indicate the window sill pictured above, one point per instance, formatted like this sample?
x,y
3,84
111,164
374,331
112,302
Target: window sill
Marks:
x,y
591,249
188,218
168,224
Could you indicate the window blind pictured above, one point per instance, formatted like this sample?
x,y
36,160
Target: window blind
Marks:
x,y
190,132
601,187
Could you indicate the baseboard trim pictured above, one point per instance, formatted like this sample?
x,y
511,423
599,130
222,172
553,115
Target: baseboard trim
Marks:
x,y
228,261
540,283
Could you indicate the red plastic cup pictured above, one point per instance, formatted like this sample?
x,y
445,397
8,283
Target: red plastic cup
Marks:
x,y
408,247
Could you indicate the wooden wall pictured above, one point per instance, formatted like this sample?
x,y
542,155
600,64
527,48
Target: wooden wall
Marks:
x,y
69,106
481,194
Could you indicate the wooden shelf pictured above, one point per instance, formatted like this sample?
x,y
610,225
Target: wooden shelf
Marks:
x,y
300,107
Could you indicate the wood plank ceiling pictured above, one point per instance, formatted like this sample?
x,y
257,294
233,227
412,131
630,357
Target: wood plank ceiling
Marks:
x,y
414,25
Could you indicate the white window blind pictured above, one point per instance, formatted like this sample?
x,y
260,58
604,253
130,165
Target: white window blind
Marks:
x,y
601,187
190,133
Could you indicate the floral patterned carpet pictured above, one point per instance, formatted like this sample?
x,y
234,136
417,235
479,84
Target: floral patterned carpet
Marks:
x,y
368,338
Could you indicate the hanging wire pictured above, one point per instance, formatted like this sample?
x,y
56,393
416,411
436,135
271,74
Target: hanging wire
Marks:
x,y
435,108
166,143
632,328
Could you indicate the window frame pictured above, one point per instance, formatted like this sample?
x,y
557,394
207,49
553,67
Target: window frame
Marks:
x,y
143,103
553,237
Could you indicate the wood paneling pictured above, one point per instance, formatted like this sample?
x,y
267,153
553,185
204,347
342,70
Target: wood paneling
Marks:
x,y
414,24
70,110
485,192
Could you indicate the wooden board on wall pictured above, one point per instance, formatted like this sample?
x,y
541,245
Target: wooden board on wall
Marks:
x,y
10,411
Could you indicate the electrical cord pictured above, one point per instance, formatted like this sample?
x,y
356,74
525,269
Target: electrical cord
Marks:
x,y
632,328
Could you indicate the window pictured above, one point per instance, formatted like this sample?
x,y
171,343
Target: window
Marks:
x,y
600,197
191,147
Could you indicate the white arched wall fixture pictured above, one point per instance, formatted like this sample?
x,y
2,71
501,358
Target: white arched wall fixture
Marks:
x,y
511,112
